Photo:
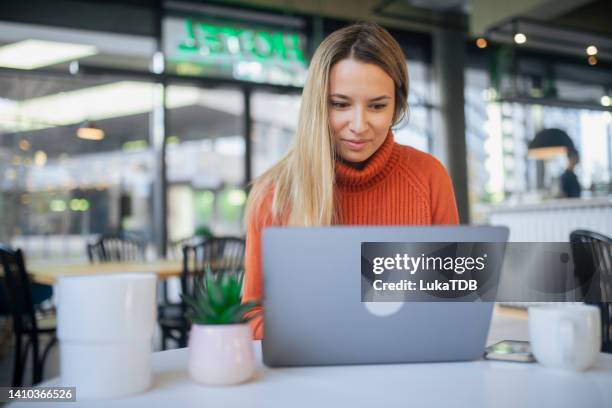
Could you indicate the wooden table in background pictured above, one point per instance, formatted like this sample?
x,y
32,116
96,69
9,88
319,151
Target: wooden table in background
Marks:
x,y
48,273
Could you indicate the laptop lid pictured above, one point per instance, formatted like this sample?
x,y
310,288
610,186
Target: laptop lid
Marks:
x,y
313,313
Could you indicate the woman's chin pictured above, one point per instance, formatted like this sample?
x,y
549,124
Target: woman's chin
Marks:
x,y
354,159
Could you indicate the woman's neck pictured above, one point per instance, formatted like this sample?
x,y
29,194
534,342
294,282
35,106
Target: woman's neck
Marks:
x,y
354,165
355,176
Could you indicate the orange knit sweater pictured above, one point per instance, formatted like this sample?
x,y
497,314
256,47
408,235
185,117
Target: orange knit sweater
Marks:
x,y
399,185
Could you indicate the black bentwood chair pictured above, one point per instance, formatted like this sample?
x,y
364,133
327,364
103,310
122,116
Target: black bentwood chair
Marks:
x,y
174,251
116,248
220,255
593,271
27,326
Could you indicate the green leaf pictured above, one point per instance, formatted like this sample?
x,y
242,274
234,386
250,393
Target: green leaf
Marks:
x,y
228,315
240,273
191,302
215,295
243,309
233,292
226,286
236,287
217,298
254,315
199,306
199,287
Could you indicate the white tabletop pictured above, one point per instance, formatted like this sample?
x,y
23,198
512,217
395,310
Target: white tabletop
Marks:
x,y
466,384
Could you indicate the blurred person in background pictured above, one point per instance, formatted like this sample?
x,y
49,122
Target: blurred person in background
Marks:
x,y
570,187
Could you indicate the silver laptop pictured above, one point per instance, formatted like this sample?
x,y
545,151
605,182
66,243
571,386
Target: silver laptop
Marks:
x,y
313,314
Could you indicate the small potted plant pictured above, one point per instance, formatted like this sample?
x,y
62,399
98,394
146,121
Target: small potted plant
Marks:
x,y
220,343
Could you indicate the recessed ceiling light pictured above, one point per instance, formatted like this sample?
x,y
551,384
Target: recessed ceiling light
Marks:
x,y
24,145
481,43
520,38
32,54
591,50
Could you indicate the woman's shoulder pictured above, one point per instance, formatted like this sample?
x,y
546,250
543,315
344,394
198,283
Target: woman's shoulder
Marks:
x,y
259,205
429,176
420,164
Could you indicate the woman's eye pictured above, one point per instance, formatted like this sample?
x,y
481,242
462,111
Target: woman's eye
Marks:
x,y
379,106
339,104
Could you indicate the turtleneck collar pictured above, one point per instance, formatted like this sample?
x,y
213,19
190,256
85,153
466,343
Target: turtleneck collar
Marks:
x,y
377,167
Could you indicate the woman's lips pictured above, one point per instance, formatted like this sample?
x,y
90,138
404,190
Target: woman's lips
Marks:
x,y
355,145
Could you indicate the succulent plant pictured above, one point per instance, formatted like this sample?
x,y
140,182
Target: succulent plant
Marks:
x,y
217,300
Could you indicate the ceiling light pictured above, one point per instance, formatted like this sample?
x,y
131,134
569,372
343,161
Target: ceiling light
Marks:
x,y
481,43
520,38
549,143
32,54
24,145
591,50
57,205
73,67
40,158
113,100
89,131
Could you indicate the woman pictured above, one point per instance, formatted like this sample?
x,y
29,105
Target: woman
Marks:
x,y
344,167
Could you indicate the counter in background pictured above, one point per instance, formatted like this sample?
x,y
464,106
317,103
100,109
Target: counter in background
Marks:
x,y
553,220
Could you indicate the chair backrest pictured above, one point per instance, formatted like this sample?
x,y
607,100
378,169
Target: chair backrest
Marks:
x,y
220,254
593,259
174,250
593,270
110,248
18,289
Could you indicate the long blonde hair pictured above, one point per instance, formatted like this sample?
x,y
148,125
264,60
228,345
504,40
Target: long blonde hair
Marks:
x,y
303,180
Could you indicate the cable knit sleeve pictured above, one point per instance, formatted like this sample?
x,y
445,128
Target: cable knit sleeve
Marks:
x,y
252,288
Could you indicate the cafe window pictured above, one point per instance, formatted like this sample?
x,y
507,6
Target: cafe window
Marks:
x,y
415,129
78,161
275,118
205,159
75,156
498,133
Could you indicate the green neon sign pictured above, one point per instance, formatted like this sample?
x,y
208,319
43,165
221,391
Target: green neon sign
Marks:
x,y
210,41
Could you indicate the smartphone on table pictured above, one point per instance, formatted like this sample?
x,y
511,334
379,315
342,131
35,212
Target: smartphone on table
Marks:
x,y
510,350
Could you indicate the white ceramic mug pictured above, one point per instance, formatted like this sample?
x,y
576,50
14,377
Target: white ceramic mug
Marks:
x,y
565,336
105,328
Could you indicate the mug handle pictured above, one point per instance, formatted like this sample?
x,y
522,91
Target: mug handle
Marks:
x,y
567,335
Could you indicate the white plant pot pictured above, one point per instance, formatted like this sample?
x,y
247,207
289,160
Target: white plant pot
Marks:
x,y
221,354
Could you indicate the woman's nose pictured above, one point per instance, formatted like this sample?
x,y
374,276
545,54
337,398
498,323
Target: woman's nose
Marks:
x,y
359,121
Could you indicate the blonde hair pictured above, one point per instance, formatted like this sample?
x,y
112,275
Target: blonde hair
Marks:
x,y
303,180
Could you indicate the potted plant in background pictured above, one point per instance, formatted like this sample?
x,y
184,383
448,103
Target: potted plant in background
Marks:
x,y
220,343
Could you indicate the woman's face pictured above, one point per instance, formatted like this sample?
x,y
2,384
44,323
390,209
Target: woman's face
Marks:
x,y
361,106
